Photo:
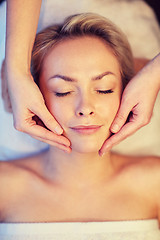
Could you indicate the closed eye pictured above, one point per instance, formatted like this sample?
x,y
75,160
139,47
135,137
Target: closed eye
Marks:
x,y
105,91
58,94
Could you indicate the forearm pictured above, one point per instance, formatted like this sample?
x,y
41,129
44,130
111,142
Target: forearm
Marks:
x,y
156,68
151,72
22,21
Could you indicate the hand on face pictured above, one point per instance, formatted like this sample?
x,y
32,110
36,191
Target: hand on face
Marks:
x,y
137,104
32,107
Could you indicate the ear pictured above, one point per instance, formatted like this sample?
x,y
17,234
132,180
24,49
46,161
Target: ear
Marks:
x,y
5,93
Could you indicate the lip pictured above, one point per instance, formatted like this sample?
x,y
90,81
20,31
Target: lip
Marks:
x,y
86,129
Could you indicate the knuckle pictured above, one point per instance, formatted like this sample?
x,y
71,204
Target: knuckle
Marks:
x,y
18,126
49,122
120,117
117,138
144,121
121,136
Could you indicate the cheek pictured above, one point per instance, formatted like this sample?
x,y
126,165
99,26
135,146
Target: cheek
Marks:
x,y
109,109
60,110
115,107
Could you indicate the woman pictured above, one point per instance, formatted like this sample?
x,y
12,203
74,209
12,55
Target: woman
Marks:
x,y
22,20
82,88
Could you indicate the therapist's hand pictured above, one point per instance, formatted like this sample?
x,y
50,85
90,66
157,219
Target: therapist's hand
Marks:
x,y
136,107
30,113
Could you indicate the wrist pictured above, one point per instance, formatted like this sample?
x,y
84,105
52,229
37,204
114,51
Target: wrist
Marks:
x,y
16,69
17,75
151,73
15,65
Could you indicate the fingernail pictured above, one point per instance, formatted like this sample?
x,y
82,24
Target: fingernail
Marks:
x,y
67,150
115,128
58,130
101,154
107,148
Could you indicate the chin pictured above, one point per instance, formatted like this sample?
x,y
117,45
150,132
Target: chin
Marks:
x,y
87,146
88,143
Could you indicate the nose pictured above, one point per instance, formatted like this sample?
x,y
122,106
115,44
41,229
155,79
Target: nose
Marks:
x,y
85,107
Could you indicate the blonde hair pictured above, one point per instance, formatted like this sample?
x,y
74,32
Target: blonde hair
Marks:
x,y
85,24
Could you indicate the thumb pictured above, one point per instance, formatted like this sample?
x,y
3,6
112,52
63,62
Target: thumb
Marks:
x,y
121,116
48,120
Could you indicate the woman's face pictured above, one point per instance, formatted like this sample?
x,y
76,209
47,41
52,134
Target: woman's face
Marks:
x,y
81,84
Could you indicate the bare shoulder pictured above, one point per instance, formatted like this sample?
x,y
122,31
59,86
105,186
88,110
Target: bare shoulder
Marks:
x,y
10,179
140,169
137,162
145,173
12,173
15,167
148,165
145,164
142,175
15,177
152,168
20,166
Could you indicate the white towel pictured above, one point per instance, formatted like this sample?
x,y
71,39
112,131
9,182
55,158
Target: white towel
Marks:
x,y
118,230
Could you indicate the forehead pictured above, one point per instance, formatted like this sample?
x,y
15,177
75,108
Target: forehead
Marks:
x,y
89,54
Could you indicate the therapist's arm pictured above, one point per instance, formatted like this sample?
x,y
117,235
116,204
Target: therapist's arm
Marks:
x,y
137,102
26,99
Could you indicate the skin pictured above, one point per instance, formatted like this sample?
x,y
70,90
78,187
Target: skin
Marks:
x,y
81,186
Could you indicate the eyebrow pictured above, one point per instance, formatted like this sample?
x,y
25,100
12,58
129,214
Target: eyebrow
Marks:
x,y
69,79
99,77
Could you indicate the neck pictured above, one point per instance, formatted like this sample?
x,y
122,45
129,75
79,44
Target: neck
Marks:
x,y
77,169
